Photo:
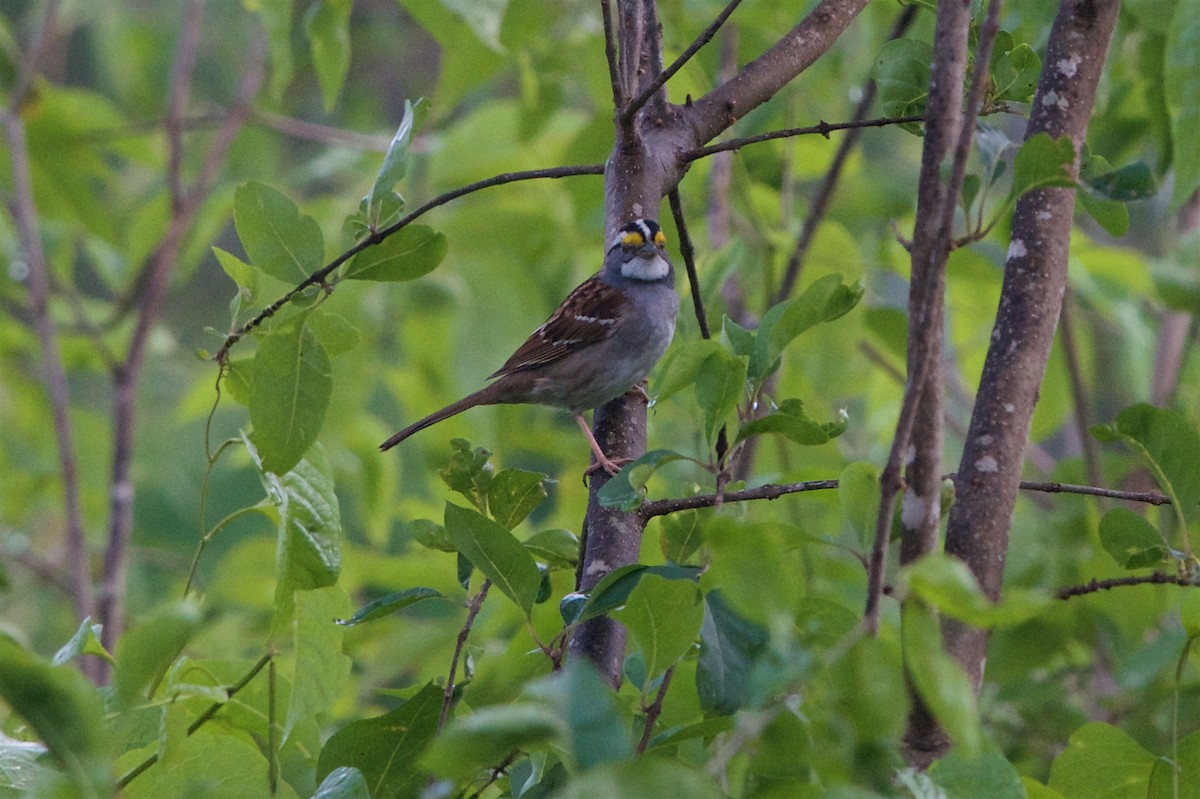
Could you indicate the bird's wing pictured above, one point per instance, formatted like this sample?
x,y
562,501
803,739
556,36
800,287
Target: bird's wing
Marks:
x,y
588,315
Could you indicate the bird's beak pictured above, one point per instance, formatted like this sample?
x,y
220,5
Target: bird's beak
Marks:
x,y
649,250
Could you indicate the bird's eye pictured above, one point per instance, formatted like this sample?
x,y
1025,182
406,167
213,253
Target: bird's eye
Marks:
x,y
633,238
659,238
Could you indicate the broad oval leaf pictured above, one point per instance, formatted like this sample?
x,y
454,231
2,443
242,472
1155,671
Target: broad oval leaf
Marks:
x,y
627,489
486,736
730,645
1132,541
495,552
513,493
277,238
386,748
663,617
1043,162
411,252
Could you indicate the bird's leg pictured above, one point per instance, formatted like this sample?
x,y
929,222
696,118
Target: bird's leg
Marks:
x,y
639,390
602,460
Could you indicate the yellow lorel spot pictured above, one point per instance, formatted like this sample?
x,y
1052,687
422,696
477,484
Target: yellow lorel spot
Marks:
x,y
633,238
659,238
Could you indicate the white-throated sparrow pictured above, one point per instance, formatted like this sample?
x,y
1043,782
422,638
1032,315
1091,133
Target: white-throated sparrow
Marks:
x,y
601,341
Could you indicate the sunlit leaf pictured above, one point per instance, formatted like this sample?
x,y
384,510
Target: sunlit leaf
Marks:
x,y
411,252
1102,761
1132,541
1043,162
277,238
495,552
513,493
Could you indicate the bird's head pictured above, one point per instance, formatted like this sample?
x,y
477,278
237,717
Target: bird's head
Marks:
x,y
639,249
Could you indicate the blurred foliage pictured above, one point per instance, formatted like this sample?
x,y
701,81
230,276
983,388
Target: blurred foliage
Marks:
x,y
747,674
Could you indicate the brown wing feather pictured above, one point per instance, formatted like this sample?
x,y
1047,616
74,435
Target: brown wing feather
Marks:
x,y
588,315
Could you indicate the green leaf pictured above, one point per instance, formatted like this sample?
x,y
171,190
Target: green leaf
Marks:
x,y
1015,69
309,535
720,383
627,490
321,670
901,71
277,22
430,534
1102,762
1043,162
825,300
663,617
1167,444
644,778
939,679
495,552
469,472
290,392
557,548
682,365
277,238
411,252
484,738
595,728
680,535
214,764
389,604
243,274
386,748
729,647
1182,79
1130,182
1132,541
988,776
858,496
1178,777
1111,215
85,641
395,164
614,588
62,709
513,494
327,26
146,651
238,380
947,584
791,422
334,331
343,783
1189,614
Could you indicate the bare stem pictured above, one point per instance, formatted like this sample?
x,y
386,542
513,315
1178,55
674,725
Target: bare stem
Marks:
x,y
472,611
654,711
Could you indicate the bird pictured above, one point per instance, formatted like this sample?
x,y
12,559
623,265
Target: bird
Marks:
x,y
601,342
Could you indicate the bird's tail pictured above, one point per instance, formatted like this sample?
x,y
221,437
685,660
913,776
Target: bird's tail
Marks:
x,y
485,396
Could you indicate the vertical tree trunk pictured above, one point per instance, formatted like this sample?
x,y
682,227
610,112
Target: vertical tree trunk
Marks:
x,y
1034,284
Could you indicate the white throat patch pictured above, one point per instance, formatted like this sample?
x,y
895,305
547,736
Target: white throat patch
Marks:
x,y
646,268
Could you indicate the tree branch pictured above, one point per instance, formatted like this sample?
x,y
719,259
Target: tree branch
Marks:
x,y
661,78
822,128
378,236
759,80
1095,586
610,56
25,215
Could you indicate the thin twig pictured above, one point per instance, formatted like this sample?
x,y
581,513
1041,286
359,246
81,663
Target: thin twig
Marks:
x,y
25,215
177,102
610,55
319,276
472,611
1095,586
654,711
822,128
495,773
661,78
33,56
202,719
1147,497
662,507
